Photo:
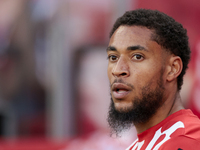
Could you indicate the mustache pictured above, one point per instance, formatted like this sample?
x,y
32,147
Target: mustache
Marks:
x,y
119,80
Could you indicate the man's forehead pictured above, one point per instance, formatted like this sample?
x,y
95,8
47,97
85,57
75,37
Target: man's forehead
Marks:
x,y
132,32
135,30
131,36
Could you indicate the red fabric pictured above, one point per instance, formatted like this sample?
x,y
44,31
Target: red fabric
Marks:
x,y
181,143
181,126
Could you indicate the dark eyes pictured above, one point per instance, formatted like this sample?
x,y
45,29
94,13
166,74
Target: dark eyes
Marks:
x,y
137,57
112,58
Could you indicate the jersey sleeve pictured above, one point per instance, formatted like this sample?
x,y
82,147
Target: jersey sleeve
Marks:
x,y
181,143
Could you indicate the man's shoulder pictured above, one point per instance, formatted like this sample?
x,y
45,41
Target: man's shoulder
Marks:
x,y
180,131
191,124
186,116
181,142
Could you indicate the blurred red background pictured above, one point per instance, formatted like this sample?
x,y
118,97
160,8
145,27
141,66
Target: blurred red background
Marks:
x,y
54,92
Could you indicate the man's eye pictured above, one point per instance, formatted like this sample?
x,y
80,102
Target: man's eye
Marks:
x,y
137,57
112,58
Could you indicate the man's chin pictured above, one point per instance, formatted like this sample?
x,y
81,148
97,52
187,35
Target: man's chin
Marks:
x,y
123,108
118,117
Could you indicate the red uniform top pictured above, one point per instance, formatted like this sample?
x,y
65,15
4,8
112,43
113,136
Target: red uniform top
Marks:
x,y
179,131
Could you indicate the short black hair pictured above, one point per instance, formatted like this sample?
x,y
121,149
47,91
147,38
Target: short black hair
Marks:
x,y
167,32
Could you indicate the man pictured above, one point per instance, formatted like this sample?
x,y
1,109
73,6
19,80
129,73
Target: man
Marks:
x,y
148,55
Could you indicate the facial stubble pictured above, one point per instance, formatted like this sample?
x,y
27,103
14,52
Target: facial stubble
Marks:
x,y
141,111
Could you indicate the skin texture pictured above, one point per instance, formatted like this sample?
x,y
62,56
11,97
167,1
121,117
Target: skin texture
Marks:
x,y
135,62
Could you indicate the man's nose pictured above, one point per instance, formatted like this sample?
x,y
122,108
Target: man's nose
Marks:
x,y
121,69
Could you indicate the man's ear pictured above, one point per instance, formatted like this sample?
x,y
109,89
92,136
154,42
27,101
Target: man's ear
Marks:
x,y
174,68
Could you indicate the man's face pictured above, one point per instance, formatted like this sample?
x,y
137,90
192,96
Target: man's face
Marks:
x,y
135,71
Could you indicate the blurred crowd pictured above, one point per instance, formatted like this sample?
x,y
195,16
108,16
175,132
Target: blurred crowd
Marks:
x,y
53,80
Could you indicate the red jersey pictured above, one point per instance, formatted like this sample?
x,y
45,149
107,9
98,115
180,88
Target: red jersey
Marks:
x,y
179,131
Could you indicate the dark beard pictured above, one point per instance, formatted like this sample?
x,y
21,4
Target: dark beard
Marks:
x,y
141,112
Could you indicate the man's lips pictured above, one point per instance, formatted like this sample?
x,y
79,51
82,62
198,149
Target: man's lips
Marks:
x,y
120,90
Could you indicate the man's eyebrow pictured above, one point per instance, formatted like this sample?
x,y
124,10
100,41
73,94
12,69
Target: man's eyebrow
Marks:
x,y
136,47
131,48
111,48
